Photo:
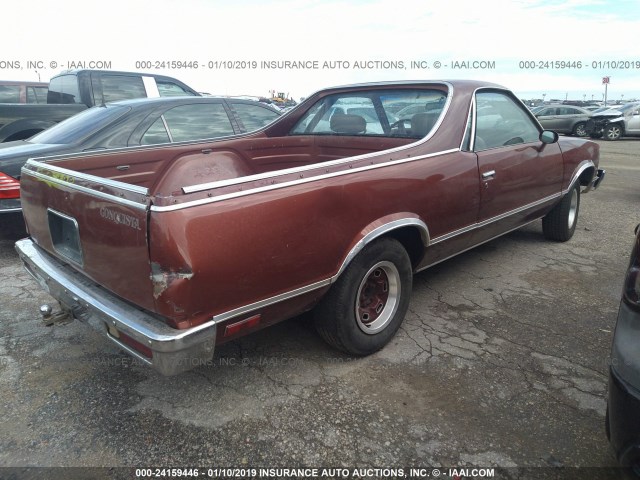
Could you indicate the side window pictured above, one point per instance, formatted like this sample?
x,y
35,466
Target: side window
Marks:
x,y
155,134
170,89
253,117
501,122
9,94
198,122
545,112
37,94
121,87
64,89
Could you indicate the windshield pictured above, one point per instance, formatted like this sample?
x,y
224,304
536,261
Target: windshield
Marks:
x,y
78,127
628,106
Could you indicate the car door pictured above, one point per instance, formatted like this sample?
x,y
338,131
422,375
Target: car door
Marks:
x,y
566,117
519,174
548,118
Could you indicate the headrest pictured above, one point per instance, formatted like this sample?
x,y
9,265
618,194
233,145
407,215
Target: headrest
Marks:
x,y
350,124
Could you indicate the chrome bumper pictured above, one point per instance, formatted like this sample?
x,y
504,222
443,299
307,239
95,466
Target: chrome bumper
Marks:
x,y
173,350
595,181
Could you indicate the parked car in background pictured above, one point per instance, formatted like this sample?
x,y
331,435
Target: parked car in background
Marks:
x,y
76,90
623,404
567,119
171,250
615,122
130,123
23,92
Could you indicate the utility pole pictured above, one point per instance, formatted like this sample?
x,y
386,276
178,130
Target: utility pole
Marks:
x,y
605,81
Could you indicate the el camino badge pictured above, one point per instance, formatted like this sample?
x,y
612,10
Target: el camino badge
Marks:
x,y
120,218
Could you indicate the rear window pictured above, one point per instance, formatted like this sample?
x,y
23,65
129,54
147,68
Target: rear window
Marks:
x,y
122,87
64,89
170,89
395,113
81,125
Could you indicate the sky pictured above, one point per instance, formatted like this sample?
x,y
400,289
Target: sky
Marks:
x,y
537,48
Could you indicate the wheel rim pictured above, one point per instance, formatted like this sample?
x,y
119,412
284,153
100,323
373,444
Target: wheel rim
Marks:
x,y
613,133
573,208
581,131
378,297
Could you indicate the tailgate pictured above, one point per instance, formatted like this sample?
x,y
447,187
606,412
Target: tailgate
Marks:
x,y
96,225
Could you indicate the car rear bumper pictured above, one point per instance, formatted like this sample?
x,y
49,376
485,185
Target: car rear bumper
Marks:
x,y
167,350
10,205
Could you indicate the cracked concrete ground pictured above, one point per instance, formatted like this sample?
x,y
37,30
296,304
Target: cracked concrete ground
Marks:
x,y
501,361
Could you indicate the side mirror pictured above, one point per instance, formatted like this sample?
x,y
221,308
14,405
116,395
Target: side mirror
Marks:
x,y
548,136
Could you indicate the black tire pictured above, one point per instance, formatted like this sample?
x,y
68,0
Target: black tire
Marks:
x,y
357,316
579,130
560,223
613,132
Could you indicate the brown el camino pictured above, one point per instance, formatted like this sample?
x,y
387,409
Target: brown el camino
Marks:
x,y
171,250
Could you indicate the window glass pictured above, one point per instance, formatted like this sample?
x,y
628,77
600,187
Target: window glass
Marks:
x,y
64,89
198,121
393,113
37,94
9,94
155,134
567,111
254,117
546,112
79,126
170,89
122,87
501,122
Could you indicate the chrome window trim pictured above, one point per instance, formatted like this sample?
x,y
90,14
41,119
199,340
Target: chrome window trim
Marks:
x,y
166,127
204,201
88,191
85,176
341,161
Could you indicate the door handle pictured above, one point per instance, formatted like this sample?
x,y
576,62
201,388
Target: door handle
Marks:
x,y
489,174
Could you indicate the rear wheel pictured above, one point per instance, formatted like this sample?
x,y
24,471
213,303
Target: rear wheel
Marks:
x,y
366,306
560,223
579,130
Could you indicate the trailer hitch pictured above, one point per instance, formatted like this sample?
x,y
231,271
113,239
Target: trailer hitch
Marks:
x,y
50,318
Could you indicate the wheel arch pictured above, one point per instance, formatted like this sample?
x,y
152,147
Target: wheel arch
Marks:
x,y
583,174
410,231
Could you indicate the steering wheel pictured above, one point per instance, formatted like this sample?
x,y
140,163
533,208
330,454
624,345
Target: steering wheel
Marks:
x,y
402,126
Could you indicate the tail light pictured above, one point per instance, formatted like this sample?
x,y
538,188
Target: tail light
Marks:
x,y
9,187
632,281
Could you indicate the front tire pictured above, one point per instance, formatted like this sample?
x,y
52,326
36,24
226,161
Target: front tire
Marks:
x,y
613,132
560,223
366,306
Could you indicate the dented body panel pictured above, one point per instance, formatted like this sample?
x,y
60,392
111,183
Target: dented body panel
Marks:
x,y
236,234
